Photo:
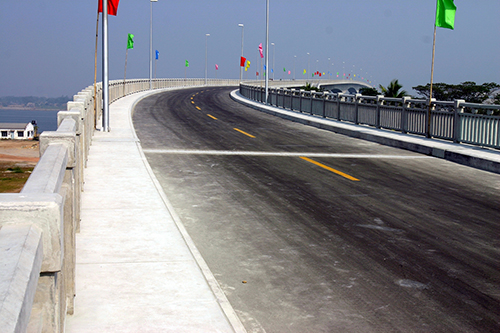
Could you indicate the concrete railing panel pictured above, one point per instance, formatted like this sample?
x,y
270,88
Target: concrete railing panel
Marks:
x,y
21,253
50,204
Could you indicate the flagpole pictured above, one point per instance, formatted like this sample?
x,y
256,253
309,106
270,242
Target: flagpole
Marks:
x,y
428,130
95,67
151,45
105,68
241,67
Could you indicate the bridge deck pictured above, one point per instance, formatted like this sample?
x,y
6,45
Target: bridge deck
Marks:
x,y
137,270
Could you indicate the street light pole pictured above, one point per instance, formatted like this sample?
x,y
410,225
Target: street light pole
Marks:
x,y
105,68
308,63
242,30
206,54
294,59
273,59
151,45
267,50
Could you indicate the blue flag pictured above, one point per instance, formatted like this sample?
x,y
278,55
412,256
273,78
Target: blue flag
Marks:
x,y
157,54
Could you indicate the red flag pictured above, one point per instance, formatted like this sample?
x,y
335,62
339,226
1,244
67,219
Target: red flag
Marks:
x,y
243,60
112,7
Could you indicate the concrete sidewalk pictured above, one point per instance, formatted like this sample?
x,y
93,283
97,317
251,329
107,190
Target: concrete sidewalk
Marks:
x,y
477,157
137,270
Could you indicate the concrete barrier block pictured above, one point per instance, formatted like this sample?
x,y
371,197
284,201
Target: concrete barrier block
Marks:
x,y
74,105
61,115
21,254
44,210
48,175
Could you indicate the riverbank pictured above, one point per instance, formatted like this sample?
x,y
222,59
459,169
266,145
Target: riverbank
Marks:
x,y
17,160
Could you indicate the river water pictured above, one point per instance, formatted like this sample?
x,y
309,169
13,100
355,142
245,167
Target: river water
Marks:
x,y
46,119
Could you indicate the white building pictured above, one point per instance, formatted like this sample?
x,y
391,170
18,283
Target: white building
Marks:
x,y
17,131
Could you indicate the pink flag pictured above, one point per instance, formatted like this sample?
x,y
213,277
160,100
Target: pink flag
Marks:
x,y
260,50
216,67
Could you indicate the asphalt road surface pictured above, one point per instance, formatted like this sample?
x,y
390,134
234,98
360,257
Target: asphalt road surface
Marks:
x,y
310,231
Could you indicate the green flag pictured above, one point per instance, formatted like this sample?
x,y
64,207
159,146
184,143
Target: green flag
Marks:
x,y
187,63
130,41
445,14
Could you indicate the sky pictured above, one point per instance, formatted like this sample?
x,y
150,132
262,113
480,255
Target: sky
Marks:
x,y
47,46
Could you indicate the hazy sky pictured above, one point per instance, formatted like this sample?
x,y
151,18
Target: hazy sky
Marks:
x,y
47,46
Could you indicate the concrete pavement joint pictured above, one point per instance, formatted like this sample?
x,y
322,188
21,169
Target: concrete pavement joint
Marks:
x,y
272,154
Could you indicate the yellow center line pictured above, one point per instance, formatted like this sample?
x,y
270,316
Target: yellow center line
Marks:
x,y
192,102
211,116
198,108
250,135
330,169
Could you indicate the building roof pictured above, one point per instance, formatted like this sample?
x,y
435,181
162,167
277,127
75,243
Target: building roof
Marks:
x,y
14,126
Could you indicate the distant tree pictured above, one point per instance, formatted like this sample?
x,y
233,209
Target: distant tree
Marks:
x,y
393,89
496,100
469,91
38,102
368,91
310,87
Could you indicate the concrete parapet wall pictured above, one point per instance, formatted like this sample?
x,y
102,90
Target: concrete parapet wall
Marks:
x,y
38,225
21,253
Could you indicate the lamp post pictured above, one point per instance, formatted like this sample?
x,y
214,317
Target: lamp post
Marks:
x,y
267,50
151,45
242,32
308,63
105,69
206,53
294,59
329,73
273,59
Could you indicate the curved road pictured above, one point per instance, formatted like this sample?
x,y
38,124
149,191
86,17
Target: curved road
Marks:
x,y
310,231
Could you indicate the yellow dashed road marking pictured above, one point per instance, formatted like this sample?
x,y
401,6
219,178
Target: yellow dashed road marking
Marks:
x,y
242,132
330,169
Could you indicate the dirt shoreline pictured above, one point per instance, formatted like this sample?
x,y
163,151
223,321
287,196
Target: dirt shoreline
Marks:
x,y
19,152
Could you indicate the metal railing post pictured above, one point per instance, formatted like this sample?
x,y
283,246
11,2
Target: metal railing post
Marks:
x,y
357,98
324,103
457,128
339,98
311,102
380,102
404,114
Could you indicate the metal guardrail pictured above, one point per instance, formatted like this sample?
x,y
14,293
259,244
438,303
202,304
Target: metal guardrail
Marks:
x,y
457,121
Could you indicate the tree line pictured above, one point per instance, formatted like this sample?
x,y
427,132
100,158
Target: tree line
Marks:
x,y
468,91
34,102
